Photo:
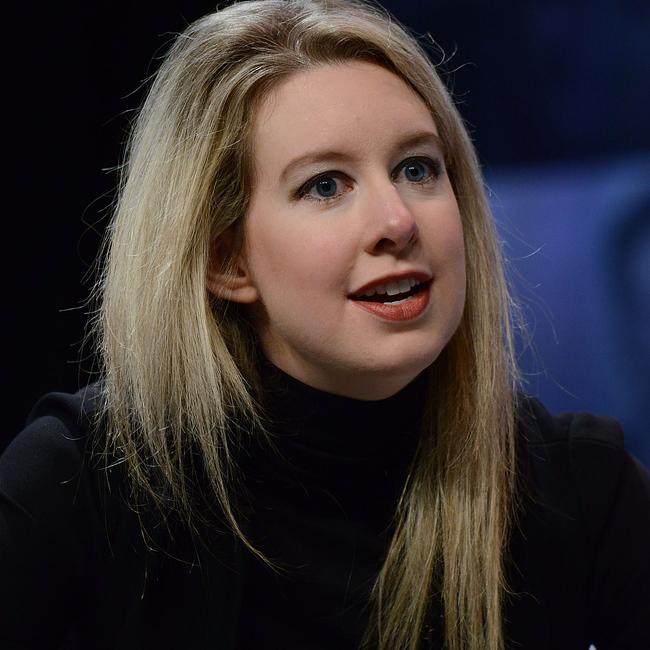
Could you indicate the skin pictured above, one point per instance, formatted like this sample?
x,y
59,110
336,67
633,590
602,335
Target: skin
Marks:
x,y
303,257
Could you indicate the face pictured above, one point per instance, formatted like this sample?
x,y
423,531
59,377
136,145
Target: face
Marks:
x,y
349,188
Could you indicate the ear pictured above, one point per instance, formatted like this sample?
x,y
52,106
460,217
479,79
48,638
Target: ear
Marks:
x,y
238,286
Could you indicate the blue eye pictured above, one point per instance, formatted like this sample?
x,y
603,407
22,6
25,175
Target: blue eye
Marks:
x,y
413,169
418,171
326,186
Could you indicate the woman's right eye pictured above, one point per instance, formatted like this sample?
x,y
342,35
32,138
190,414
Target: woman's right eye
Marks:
x,y
321,189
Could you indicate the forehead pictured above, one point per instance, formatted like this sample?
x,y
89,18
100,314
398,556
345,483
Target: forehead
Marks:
x,y
354,107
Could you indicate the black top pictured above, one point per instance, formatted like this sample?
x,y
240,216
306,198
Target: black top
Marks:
x,y
323,507
76,573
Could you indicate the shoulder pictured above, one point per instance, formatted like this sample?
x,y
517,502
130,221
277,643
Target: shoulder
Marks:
x,y
573,443
51,519
591,525
50,451
56,482
543,428
584,456
74,411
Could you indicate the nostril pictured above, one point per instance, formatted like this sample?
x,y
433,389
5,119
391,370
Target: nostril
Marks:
x,y
397,241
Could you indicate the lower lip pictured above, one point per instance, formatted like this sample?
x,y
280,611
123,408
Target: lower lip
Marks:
x,y
407,310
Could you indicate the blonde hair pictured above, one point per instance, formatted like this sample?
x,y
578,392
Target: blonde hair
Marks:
x,y
180,367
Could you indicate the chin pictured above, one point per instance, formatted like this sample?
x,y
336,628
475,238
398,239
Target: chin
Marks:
x,y
401,370
415,358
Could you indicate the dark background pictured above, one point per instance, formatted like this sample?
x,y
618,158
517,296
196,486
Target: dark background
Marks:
x,y
555,95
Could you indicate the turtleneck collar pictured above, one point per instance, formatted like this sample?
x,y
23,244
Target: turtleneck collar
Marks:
x,y
339,425
331,448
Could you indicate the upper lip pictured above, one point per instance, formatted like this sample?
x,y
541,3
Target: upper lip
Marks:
x,y
420,276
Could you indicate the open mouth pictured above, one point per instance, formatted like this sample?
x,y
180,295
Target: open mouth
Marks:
x,y
395,298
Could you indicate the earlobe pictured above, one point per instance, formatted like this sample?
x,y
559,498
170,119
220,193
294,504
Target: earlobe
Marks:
x,y
229,287
235,284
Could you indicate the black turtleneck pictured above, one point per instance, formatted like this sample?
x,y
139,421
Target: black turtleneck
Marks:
x,y
77,572
322,506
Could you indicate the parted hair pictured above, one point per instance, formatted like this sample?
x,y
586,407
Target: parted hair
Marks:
x,y
180,367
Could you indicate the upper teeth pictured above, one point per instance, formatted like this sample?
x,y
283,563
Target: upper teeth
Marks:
x,y
393,288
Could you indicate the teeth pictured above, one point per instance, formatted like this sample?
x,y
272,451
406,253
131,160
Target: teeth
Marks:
x,y
393,288
398,287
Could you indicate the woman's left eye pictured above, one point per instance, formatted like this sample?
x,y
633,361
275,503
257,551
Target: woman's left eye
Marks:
x,y
415,170
323,188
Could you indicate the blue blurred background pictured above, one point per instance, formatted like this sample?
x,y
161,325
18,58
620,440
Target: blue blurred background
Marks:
x,y
577,238
555,96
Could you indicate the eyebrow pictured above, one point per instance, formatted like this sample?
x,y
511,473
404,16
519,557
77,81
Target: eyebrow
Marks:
x,y
412,140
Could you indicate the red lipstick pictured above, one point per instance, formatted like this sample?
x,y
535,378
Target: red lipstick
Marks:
x,y
406,309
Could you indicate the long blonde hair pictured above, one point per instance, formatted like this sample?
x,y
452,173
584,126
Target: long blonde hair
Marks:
x,y
180,367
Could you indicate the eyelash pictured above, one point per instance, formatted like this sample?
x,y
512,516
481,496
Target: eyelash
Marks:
x,y
435,166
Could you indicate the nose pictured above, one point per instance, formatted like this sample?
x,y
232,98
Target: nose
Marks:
x,y
392,226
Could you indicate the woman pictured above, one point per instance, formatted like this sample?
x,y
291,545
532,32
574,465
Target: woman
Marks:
x,y
307,431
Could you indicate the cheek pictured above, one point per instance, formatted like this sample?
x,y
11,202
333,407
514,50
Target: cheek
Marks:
x,y
458,246
282,257
262,251
446,241
455,236
270,251
448,254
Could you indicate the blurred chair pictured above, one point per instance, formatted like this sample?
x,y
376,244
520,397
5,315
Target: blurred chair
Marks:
x,y
577,240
